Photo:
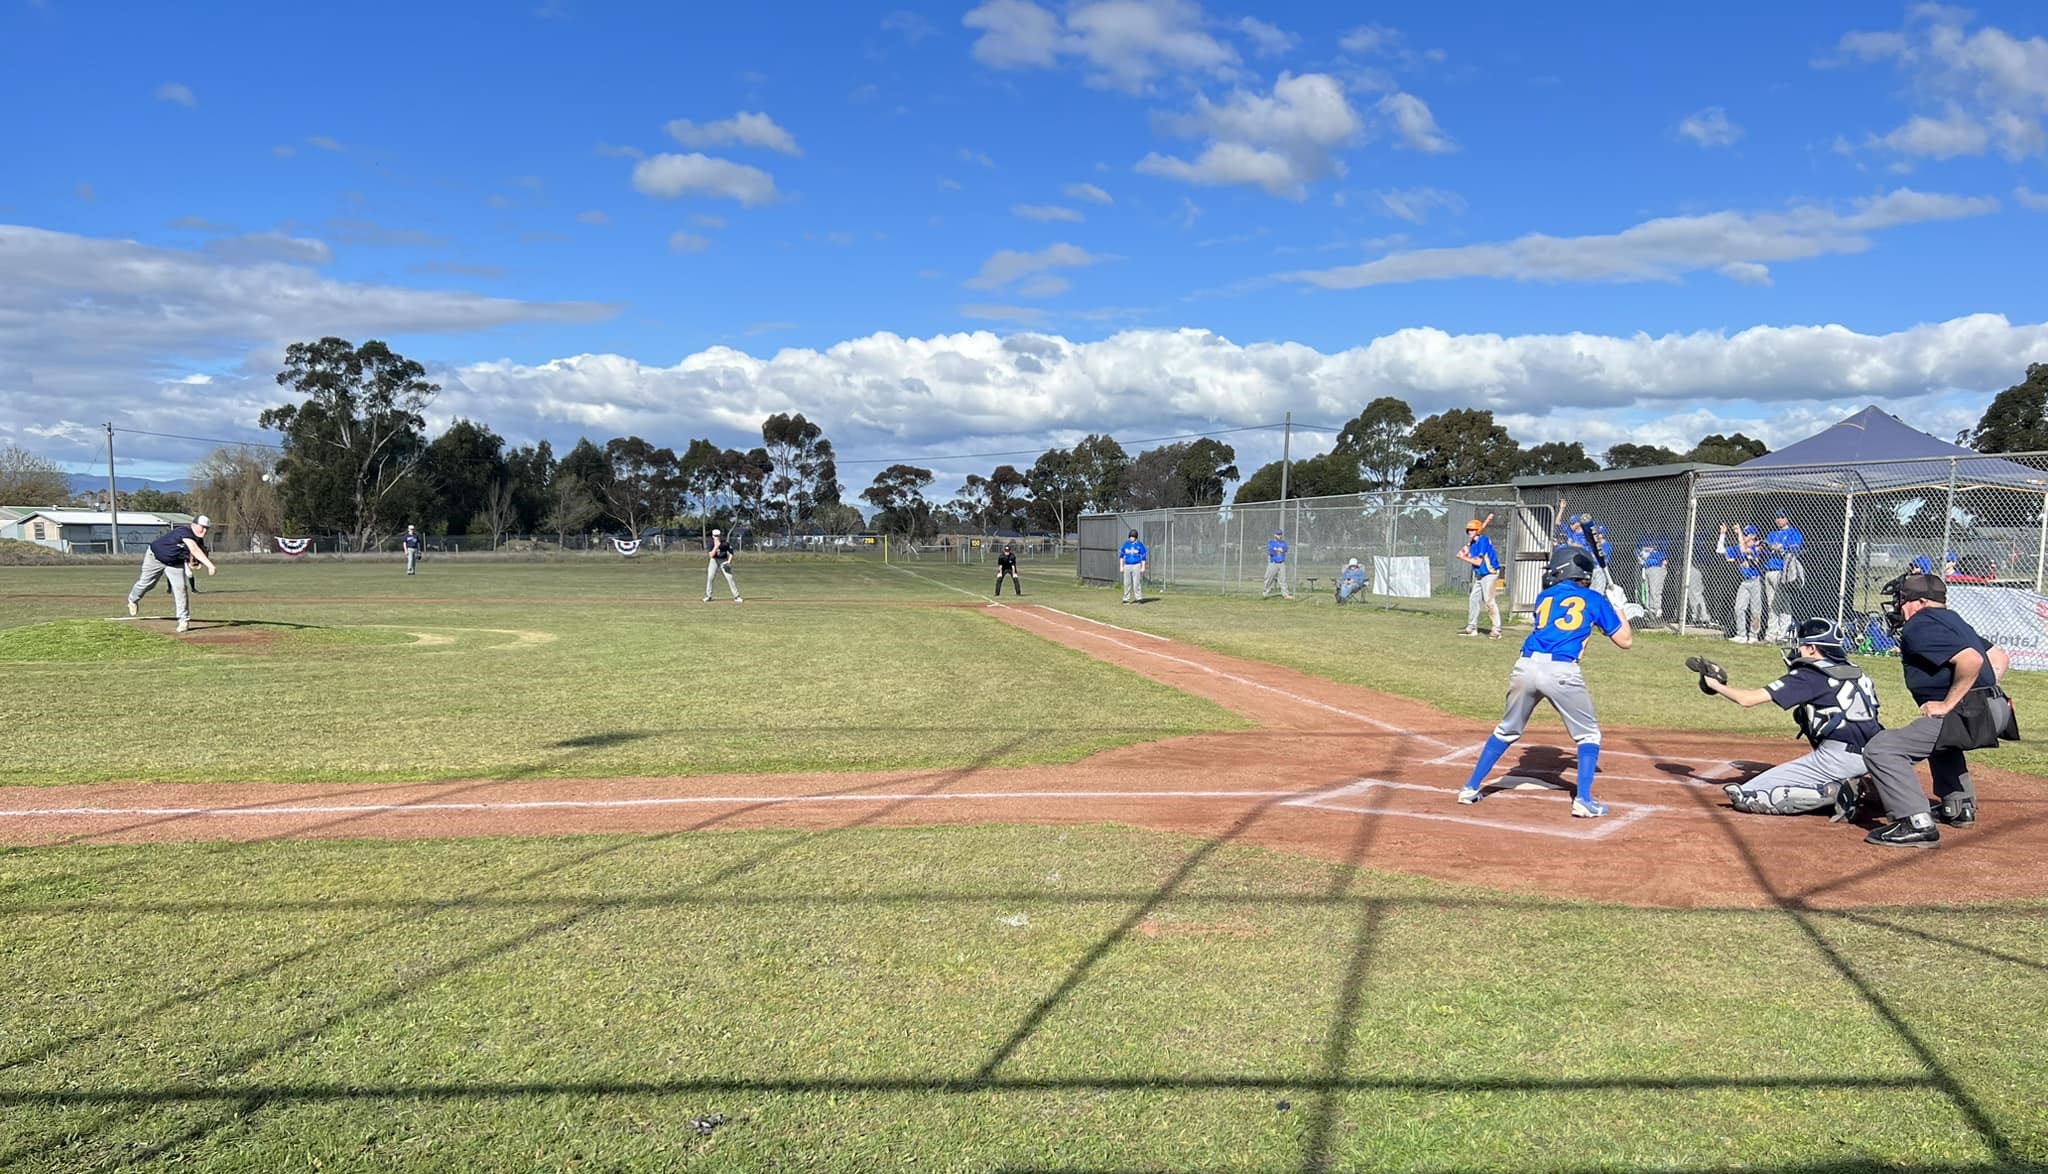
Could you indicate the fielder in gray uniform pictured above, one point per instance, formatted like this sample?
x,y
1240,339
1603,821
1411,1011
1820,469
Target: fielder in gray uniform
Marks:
x,y
721,562
1566,616
1834,703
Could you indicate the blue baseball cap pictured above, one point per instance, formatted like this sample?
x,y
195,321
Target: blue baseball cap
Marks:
x,y
1750,530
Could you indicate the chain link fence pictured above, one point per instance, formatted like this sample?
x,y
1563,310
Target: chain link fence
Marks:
x,y
1743,552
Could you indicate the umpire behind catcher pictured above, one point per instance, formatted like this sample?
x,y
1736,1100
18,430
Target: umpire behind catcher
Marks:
x,y
1834,703
1953,673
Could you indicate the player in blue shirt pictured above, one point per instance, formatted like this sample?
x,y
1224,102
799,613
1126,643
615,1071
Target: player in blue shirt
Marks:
x,y
411,542
1652,558
1132,555
1747,553
1276,566
1567,614
1782,573
1484,560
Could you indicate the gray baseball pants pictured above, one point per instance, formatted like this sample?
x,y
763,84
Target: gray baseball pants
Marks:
x,y
1134,584
1653,591
1275,573
1749,608
1539,678
1696,599
1808,783
412,560
152,570
711,578
1779,623
1482,598
1891,756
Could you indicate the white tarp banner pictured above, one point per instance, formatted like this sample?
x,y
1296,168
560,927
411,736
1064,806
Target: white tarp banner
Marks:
x,y
1407,577
2013,619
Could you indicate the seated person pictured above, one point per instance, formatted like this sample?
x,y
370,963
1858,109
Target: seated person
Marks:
x,y
1351,582
1835,705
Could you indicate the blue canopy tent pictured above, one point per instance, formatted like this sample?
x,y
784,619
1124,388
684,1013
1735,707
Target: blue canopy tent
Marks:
x,y
1873,453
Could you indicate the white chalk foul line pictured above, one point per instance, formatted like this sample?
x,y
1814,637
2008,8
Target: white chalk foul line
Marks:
x,y
948,586
613,804
1104,623
1251,684
1624,815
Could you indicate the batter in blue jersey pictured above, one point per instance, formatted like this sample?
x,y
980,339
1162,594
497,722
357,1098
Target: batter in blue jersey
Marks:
x,y
1566,615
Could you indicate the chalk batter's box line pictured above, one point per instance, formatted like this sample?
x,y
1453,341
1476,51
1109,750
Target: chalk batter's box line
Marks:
x,y
1708,774
1624,814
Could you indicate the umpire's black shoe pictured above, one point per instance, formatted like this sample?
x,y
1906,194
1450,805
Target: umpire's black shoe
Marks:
x,y
1901,833
1961,814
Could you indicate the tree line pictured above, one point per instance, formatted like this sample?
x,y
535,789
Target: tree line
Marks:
x,y
356,461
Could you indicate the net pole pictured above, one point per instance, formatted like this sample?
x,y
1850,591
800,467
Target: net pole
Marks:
x,y
1848,554
1948,515
2041,551
1685,574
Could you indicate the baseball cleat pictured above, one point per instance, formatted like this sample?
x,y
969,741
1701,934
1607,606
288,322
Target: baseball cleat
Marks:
x,y
1902,834
1470,795
1588,808
182,626
1847,800
131,609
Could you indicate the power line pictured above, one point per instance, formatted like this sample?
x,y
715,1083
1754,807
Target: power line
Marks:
x,y
1032,452
201,439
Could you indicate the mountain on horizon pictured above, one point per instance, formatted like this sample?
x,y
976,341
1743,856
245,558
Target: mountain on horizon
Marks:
x,y
87,483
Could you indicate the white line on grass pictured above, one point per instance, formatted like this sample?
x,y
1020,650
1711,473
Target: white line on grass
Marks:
x,y
1249,683
1599,829
607,804
947,586
1104,623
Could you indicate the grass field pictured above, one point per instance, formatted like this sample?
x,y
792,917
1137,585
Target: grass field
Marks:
x,y
972,998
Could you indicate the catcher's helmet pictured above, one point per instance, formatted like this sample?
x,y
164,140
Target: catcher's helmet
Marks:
x,y
1568,562
1823,634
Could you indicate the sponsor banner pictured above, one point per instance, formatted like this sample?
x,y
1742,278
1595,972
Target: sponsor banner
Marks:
x,y
2012,618
294,546
627,547
1407,577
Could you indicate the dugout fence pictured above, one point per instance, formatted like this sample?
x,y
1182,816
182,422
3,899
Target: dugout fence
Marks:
x,y
1672,536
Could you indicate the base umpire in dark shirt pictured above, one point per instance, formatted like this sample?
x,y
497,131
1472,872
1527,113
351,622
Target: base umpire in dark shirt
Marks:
x,y
1006,564
1945,662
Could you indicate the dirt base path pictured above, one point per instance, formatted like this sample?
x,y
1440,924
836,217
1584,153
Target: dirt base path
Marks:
x,y
1335,772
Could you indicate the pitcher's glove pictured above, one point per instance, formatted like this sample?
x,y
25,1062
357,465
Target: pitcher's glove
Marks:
x,y
1706,668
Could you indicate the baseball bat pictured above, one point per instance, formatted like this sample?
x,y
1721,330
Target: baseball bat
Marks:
x,y
1614,594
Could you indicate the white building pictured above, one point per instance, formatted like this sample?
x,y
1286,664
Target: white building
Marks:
x,y
84,531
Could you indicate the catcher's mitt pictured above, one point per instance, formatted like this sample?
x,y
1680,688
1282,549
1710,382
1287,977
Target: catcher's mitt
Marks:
x,y
1706,668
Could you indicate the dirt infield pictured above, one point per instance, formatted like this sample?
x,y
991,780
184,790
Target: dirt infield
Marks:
x,y
1333,771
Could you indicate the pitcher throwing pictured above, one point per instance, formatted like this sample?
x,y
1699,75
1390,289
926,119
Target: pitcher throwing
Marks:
x,y
1567,613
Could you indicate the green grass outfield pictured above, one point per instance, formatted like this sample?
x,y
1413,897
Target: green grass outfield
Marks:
x,y
974,998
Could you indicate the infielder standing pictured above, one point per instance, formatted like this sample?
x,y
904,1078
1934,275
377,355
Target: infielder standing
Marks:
x,y
1132,555
1276,566
1485,563
1834,703
1567,613
166,557
412,550
721,561
1006,564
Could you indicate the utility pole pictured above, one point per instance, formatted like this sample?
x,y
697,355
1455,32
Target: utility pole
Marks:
x,y
113,498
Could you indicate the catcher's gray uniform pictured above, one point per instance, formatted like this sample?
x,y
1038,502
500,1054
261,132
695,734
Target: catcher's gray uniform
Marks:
x,y
1835,705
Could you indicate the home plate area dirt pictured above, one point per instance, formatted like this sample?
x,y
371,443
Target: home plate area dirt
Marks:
x,y
1333,771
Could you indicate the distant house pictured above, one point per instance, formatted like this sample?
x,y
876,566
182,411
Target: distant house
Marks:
x,y
84,531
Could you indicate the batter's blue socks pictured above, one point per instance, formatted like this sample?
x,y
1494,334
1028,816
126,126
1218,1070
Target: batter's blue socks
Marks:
x,y
1589,759
1489,754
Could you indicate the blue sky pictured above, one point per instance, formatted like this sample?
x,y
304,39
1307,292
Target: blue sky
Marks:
x,y
964,227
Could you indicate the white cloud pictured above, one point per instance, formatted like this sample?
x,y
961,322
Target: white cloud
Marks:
x,y
177,93
1414,124
977,158
593,216
1123,44
1746,272
994,313
615,151
1045,285
357,231
1974,88
284,151
1280,141
1415,204
1009,265
201,224
1369,40
1710,128
703,221
670,176
257,247
2030,199
910,25
1663,249
1088,192
1267,40
688,242
742,129
1045,212
325,142
85,191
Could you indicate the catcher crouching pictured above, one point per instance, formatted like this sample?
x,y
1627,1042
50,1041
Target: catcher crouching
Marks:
x,y
1835,705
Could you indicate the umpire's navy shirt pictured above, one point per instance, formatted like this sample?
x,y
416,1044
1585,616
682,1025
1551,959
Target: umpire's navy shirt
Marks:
x,y
169,549
1928,642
